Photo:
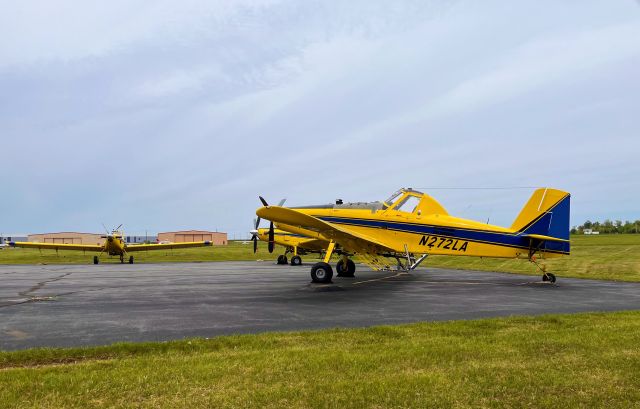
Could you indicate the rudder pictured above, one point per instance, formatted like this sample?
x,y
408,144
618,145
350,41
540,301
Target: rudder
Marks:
x,y
546,213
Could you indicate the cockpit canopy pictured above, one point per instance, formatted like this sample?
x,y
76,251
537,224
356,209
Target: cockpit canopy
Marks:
x,y
407,200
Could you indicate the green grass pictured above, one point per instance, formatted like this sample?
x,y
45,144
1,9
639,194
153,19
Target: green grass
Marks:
x,y
583,360
605,257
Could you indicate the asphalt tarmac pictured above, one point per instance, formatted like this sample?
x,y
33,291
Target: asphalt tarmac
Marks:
x,y
82,305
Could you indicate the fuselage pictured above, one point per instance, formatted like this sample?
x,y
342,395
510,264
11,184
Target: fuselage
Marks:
x,y
425,228
288,239
114,245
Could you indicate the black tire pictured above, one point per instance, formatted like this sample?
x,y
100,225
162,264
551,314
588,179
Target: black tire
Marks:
x,y
130,259
296,261
549,277
96,260
321,273
282,260
346,272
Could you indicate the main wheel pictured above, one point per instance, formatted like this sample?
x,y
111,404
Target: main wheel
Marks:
x,y
549,277
282,259
296,261
130,259
348,271
96,260
321,273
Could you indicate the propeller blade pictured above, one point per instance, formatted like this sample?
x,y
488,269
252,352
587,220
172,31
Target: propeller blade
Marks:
x,y
256,223
264,202
282,202
105,229
271,238
117,228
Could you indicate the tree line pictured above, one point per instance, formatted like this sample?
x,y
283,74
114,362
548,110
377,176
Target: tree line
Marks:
x,y
609,227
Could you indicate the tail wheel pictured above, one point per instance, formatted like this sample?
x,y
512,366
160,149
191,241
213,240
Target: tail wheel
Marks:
x,y
348,271
282,260
130,259
296,261
321,273
96,260
550,277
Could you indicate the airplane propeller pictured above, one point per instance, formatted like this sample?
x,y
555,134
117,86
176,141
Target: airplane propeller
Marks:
x,y
254,233
109,234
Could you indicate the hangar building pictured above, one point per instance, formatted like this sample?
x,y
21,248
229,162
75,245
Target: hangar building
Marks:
x,y
216,238
67,238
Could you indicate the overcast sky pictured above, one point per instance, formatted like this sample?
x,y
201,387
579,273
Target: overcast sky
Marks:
x,y
169,115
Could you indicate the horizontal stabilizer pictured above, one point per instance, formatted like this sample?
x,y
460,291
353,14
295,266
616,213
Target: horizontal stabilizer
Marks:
x,y
544,238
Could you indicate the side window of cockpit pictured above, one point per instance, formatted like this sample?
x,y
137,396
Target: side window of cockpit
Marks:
x,y
408,204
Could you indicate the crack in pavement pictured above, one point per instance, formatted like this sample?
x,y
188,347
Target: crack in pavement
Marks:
x,y
33,299
29,297
42,284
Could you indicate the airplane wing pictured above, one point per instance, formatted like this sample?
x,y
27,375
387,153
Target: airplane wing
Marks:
x,y
348,239
168,246
54,246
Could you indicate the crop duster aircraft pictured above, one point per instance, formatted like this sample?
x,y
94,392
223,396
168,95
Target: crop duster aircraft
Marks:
x,y
295,244
411,225
113,245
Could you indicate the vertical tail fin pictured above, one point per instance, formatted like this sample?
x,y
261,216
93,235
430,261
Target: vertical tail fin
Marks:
x,y
546,213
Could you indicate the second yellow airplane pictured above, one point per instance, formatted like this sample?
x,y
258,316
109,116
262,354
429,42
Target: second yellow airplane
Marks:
x,y
114,245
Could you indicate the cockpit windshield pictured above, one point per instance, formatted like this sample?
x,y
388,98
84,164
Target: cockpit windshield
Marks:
x,y
408,204
393,197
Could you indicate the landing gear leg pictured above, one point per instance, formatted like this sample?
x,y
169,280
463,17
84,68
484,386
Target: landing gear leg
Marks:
x,y
296,260
546,276
322,272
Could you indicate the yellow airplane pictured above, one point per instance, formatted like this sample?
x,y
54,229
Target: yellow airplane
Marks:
x,y
295,244
114,245
411,225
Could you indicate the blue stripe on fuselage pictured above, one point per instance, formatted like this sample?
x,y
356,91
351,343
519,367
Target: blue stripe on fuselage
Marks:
x,y
488,237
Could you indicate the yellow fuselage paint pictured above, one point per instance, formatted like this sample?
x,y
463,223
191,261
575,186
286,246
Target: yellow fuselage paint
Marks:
x,y
426,229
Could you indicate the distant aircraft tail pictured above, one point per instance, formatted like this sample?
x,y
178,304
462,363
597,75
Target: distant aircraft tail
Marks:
x,y
546,217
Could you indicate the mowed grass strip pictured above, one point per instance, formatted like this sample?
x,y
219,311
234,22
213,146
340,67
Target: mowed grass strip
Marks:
x,y
584,360
605,257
